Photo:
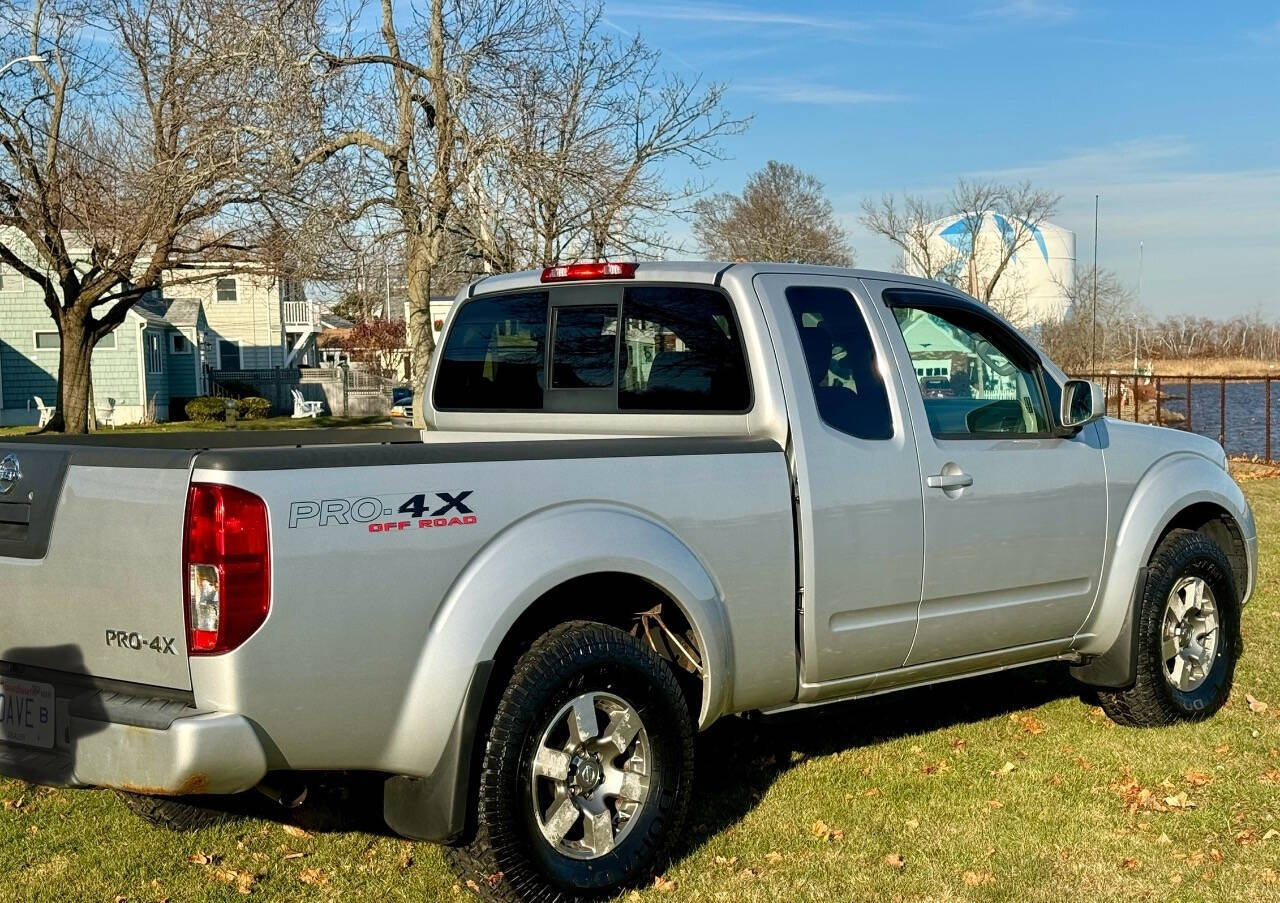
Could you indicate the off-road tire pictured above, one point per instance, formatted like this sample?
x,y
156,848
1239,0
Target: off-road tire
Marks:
x,y
506,859
175,813
1152,701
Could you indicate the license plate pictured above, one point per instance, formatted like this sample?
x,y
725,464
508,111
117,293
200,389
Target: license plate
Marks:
x,y
26,712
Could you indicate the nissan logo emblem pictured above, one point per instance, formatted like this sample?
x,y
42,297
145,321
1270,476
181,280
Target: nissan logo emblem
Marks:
x,y
10,473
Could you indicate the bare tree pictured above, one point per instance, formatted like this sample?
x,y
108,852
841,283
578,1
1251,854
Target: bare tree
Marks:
x,y
998,221
120,162
578,174
782,215
1121,323
415,107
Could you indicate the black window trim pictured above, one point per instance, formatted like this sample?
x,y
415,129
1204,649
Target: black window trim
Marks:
x,y
614,409
929,300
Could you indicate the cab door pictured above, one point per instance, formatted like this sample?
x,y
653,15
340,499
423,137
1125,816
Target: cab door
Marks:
x,y
859,513
1015,511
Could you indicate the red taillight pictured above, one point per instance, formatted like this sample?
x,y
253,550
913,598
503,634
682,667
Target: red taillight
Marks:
x,y
226,567
573,272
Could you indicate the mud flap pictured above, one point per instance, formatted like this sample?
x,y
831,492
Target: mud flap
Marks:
x,y
435,808
1117,668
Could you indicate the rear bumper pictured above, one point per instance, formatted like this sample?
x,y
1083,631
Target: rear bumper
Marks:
x,y
199,753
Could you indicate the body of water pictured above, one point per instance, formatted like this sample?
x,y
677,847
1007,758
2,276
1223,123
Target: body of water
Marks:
x,y
1246,412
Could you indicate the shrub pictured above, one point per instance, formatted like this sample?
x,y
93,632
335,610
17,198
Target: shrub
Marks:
x,y
205,409
253,408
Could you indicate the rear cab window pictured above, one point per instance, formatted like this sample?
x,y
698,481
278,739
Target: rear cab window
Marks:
x,y
606,349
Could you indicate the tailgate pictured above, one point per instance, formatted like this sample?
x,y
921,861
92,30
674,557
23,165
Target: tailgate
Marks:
x,y
91,560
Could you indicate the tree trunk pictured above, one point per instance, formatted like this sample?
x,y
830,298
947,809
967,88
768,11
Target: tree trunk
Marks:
x,y
74,381
422,340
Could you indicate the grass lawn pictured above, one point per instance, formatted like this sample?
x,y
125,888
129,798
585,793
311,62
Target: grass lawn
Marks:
x,y
268,423
997,788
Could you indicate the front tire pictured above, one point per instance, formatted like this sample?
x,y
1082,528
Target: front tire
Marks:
x,y
1188,636
586,770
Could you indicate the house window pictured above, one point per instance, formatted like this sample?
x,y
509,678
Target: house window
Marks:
x,y
9,280
228,355
226,290
178,344
47,340
155,353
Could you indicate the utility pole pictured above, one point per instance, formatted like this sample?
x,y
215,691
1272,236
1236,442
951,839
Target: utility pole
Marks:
x,y
1093,331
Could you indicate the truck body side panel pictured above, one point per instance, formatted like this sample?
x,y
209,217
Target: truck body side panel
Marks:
x,y
361,579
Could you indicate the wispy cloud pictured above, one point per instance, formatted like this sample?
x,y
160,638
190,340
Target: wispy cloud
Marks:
x,y
1268,35
790,90
1043,12
728,14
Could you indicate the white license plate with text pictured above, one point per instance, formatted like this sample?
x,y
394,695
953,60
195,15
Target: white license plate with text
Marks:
x,y
26,712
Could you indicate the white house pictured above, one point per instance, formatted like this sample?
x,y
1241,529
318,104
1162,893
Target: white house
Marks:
x,y
257,320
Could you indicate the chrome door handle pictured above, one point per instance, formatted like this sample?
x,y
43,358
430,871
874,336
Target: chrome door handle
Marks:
x,y
949,481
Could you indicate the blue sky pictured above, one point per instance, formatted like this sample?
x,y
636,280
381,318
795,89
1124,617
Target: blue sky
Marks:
x,y
1170,111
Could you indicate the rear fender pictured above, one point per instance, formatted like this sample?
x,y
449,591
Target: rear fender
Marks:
x,y
519,566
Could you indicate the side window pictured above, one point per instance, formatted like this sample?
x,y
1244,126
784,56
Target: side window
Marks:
x,y
847,384
681,351
974,381
493,359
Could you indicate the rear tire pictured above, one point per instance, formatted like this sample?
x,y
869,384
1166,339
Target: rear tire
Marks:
x,y
1190,611
175,813
586,772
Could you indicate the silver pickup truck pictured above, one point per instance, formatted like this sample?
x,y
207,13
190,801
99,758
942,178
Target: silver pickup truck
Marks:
x,y
653,495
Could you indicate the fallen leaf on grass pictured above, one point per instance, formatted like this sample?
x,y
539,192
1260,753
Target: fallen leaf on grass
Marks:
x,y
1163,838
1029,724
1270,876
824,832
1257,706
773,856
1131,864
293,855
1246,838
1216,856
1271,834
314,877
1006,768
978,879
726,861
242,881
204,858
895,861
1198,778
912,823
1270,777
664,885
1179,801
994,804
295,831
871,791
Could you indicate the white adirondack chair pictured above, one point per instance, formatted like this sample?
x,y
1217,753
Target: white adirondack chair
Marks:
x,y
107,415
303,408
46,412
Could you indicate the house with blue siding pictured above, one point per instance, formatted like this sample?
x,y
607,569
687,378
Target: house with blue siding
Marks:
x,y
145,369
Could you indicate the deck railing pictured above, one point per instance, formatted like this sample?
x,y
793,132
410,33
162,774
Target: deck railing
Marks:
x,y
1238,411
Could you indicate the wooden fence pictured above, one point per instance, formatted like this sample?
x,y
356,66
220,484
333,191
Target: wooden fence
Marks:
x,y
346,392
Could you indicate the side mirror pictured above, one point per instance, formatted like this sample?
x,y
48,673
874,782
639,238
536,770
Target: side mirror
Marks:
x,y
1082,403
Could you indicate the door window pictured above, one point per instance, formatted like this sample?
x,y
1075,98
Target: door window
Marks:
x,y
842,363
975,381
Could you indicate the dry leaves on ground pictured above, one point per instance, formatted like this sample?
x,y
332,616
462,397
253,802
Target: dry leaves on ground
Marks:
x,y
1257,706
895,861
314,877
978,879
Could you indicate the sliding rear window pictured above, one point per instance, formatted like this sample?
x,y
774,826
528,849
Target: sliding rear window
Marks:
x,y
607,348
